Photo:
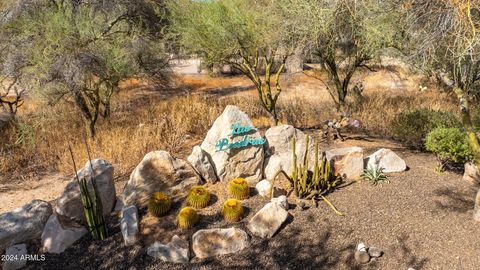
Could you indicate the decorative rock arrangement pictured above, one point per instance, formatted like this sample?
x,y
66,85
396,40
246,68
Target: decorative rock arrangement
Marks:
x,y
364,255
202,164
18,252
177,251
279,153
129,225
386,159
69,204
246,162
56,237
158,171
24,223
213,242
347,162
269,219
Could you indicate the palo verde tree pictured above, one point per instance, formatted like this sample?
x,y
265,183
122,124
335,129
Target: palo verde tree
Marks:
x,y
344,36
81,50
445,39
240,33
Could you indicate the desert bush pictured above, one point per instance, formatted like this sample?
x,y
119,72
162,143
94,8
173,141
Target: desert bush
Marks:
x,y
412,127
450,145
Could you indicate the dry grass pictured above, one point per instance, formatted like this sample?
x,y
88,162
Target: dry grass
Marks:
x,y
144,120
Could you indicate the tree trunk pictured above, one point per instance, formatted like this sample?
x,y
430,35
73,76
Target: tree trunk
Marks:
x,y
468,125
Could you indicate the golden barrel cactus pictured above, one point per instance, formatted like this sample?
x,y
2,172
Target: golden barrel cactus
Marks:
x,y
159,204
198,197
232,210
238,189
187,217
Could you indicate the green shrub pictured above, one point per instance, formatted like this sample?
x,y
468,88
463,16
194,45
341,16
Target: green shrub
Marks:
x,y
412,127
450,145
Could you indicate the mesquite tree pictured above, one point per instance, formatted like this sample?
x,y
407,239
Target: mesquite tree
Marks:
x,y
344,36
445,37
81,50
241,34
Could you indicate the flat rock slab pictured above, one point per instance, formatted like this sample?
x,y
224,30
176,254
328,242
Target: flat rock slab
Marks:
x,y
158,171
347,162
57,237
15,257
268,220
245,161
69,204
176,251
214,242
24,223
386,159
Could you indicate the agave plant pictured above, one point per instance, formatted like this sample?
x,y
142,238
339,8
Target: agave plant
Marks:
x,y
375,175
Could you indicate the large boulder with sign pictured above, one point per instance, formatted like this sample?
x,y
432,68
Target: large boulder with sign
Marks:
x,y
235,146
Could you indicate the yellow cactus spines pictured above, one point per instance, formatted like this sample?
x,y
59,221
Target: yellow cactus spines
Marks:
x,y
198,197
187,217
232,210
238,189
159,204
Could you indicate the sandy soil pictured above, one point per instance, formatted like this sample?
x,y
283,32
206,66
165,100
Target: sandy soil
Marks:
x,y
421,219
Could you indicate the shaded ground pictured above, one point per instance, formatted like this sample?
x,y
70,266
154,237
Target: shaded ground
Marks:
x,y
421,219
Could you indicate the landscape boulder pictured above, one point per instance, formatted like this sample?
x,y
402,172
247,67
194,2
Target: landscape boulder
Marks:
x,y
24,223
244,160
347,162
158,171
279,151
213,242
200,161
69,204
18,253
57,237
471,173
281,201
266,222
476,209
386,159
177,251
129,225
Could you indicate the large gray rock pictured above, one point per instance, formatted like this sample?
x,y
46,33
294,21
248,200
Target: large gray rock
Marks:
x,y
347,162
129,225
176,251
200,161
386,159
268,220
69,204
279,152
213,242
158,171
15,257
57,237
246,162
24,223
471,173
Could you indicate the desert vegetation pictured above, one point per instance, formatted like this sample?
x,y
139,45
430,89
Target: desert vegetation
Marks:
x,y
358,107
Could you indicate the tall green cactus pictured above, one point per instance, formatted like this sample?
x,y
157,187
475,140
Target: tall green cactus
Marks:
x,y
311,185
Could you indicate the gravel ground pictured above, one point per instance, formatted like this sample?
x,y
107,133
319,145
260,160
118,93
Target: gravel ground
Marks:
x,y
421,219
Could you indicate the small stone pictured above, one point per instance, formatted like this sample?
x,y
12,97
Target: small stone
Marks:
x,y
129,225
375,252
176,251
268,220
263,188
281,201
213,242
362,257
361,247
14,256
